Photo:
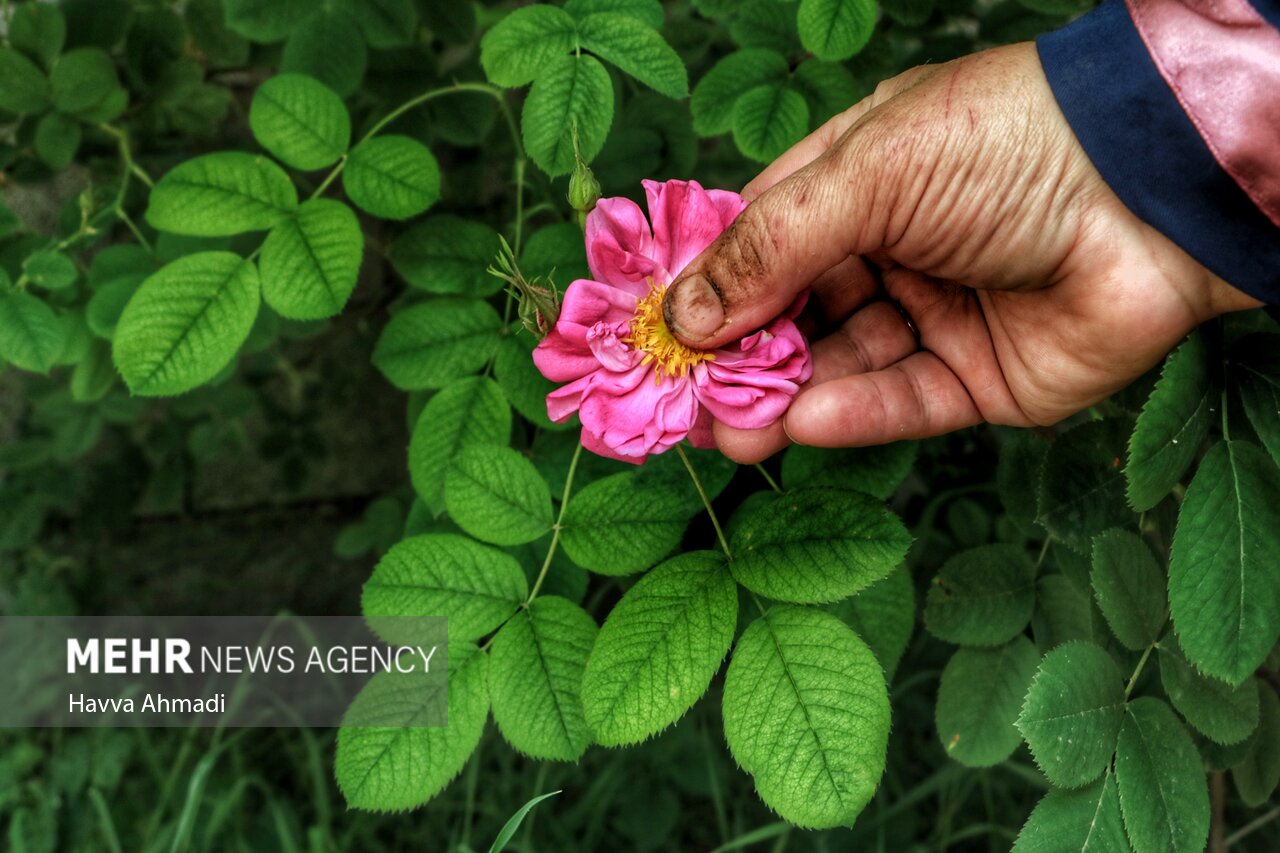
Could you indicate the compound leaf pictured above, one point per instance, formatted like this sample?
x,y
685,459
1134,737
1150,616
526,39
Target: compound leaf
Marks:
x,y
621,524
495,494
1163,793
981,597
1087,821
300,120
310,262
637,49
392,177
1129,587
979,698
432,343
571,92
524,43
468,412
220,194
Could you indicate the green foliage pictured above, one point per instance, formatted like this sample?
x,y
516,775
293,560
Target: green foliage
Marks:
x,y
836,29
659,649
1163,794
1072,713
300,121
186,322
170,166
428,344
1086,820
393,177
1224,594
622,524
979,699
442,574
537,661
496,495
468,412
391,765
981,597
218,195
807,715
817,545
1129,587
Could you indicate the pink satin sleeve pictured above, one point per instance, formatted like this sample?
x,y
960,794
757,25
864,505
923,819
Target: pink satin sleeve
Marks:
x,y
1222,61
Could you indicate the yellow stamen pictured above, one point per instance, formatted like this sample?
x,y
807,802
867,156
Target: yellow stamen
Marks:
x,y
650,335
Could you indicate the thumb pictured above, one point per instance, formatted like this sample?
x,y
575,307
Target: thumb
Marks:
x,y
786,238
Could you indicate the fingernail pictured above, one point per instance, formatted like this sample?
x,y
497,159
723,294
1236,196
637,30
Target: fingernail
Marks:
x,y
693,308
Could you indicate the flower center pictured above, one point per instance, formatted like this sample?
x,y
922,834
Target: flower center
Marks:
x,y
650,335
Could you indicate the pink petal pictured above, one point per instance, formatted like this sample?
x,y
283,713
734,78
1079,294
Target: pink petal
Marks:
x,y
749,385
700,435
608,348
620,245
565,354
635,416
687,219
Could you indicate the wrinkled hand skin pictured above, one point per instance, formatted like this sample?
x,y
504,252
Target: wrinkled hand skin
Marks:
x,y
959,191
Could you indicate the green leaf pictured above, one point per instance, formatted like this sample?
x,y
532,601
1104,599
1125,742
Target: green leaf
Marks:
x,y
1222,713
525,386
733,76
186,322
620,524
442,574
386,23
1173,424
496,494
23,88
525,43
659,648
400,765
83,79
1082,483
648,12
979,698
392,177
310,262
981,597
430,344
817,545
1258,774
267,21
768,120
806,713
1129,587
1022,455
326,47
883,615
1256,359
909,13
637,49
1163,794
828,88
216,195
207,26
764,23
1064,612
105,306
537,660
39,30
572,91
94,374
1087,820
512,825
1072,713
448,254
468,412
877,471
57,140
301,121
1224,591
31,337
51,270
835,29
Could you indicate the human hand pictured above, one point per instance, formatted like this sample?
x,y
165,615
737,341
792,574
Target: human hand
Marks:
x,y
1035,291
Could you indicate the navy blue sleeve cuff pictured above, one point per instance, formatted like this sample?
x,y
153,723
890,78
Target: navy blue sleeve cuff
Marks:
x,y
1150,154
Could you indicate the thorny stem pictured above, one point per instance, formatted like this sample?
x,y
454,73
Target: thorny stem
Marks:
x,y
1137,670
706,500
555,531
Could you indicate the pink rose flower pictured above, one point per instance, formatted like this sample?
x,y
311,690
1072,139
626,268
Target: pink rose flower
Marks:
x,y
637,389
